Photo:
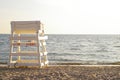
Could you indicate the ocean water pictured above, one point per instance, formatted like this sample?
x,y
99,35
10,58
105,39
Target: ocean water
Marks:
x,y
92,49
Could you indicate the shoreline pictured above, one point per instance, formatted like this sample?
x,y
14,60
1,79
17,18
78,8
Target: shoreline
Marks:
x,y
62,72
74,63
67,64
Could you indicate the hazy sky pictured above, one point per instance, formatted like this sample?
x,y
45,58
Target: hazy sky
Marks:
x,y
64,16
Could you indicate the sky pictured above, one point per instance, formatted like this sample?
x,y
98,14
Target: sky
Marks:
x,y
64,16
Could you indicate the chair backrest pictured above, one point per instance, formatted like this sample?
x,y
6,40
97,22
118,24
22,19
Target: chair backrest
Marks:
x,y
25,27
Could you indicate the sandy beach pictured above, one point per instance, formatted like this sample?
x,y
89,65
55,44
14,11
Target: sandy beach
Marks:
x,y
61,72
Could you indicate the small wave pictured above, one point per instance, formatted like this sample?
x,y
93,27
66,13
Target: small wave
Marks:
x,y
1,42
102,50
63,54
75,49
116,46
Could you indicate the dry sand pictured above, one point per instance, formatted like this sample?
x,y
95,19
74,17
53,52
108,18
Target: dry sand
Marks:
x,y
65,72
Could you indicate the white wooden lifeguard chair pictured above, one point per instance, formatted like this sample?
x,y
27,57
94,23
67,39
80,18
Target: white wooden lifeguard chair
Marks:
x,y
27,33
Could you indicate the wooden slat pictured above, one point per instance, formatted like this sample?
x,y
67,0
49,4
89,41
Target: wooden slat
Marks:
x,y
13,61
24,54
30,63
28,53
24,37
27,43
25,26
24,44
24,64
27,61
25,22
25,32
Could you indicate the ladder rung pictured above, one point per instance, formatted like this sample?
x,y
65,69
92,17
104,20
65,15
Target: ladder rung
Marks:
x,y
24,54
46,62
44,43
43,54
27,43
24,44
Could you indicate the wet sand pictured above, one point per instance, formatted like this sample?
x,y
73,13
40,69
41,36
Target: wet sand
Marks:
x,y
64,72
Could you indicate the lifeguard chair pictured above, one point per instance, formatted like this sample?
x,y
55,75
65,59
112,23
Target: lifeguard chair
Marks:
x,y
27,33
